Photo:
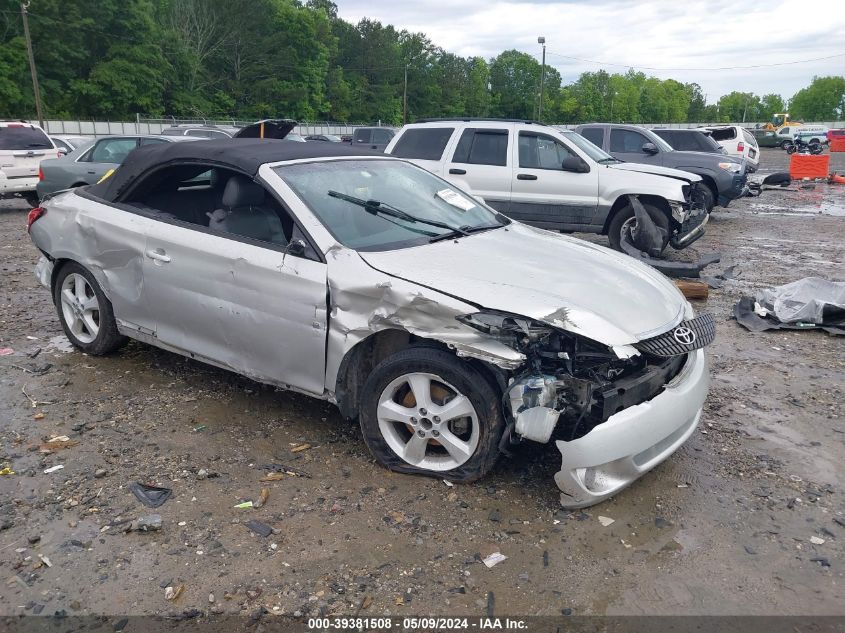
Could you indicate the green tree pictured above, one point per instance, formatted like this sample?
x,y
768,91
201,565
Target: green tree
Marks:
x,y
738,107
515,84
770,105
822,100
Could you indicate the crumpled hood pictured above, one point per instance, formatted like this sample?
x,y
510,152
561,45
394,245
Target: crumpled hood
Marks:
x,y
569,283
658,170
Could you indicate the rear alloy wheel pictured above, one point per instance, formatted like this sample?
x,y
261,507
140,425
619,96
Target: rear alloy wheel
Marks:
x,y
424,411
85,312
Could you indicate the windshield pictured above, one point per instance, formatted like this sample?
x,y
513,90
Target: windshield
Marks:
x,y
593,151
328,187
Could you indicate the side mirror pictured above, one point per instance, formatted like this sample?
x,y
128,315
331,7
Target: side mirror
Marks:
x,y
575,164
62,151
296,247
650,148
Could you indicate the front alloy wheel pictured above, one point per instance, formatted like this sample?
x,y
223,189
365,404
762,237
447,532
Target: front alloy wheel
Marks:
x,y
80,308
425,411
427,423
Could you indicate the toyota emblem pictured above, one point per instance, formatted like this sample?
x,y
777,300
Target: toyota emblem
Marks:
x,y
684,335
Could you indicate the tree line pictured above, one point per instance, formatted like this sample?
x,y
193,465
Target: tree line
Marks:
x,y
249,59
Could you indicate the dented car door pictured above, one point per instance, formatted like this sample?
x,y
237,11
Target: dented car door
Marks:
x,y
238,303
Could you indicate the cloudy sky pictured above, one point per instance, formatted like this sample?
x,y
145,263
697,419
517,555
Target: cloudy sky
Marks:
x,y
679,34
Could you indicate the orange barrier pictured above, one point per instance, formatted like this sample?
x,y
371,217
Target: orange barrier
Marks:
x,y
839,180
837,145
809,166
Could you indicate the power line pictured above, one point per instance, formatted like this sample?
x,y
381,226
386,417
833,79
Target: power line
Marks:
x,y
602,63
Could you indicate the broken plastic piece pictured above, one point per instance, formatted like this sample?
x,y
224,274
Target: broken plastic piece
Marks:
x,y
150,496
670,268
53,469
147,523
645,234
262,529
493,559
7,471
245,505
605,521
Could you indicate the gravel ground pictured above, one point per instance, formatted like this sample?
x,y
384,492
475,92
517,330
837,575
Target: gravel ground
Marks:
x,y
746,518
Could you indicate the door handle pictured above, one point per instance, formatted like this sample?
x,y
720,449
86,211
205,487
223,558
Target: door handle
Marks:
x,y
92,172
458,172
158,255
526,177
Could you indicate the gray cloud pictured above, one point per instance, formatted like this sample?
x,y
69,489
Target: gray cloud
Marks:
x,y
659,33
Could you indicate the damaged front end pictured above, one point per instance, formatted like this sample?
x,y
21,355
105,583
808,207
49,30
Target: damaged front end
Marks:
x,y
570,386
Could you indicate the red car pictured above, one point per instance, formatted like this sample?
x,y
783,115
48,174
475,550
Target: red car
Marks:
x,y
832,134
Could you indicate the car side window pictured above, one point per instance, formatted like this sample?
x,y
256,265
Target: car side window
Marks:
x,y
363,136
381,137
219,201
152,141
482,147
112,150
540,151
199,133
594,134
425,143
784,130
216,134
627,141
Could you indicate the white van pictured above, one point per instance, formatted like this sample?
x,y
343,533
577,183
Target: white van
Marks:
x,y
22,148
807,133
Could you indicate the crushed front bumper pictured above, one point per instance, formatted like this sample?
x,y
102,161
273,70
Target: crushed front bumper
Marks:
x,y
630,443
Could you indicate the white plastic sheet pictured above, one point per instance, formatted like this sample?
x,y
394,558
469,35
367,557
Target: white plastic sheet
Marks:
x,y
808,300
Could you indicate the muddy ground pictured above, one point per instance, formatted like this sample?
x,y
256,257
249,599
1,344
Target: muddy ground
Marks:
x,y
747,518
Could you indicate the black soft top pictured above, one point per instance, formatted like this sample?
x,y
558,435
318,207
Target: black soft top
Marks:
x,y
245,155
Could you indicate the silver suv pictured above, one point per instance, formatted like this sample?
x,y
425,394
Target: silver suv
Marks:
x,y
553,179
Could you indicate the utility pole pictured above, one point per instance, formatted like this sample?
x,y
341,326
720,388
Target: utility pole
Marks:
x,y
542,40
32,70
405,98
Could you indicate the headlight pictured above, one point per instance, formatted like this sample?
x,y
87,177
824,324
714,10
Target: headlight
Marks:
x,y
678,212
733,167
508,326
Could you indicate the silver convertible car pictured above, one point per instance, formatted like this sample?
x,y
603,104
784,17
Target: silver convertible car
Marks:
x,y
449,331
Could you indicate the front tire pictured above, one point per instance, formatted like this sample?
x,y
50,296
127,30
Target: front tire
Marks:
x,y
84,311
625,218
426,412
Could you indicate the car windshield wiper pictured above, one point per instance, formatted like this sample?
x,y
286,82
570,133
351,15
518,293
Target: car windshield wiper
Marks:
x,y
464,230
376,207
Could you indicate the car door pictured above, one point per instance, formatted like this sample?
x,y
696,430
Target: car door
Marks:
x,y
241,303
542,193
105,154
627,145
480,162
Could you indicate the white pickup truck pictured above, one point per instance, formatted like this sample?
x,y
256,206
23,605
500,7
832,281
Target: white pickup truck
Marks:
x,y
553,179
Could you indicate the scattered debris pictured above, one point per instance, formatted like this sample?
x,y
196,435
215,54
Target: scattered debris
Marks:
x,y
821,560
809,303
244,505
273,476
262,497
692,289
6,470
491,603
262,529
45,560
448,483
173,593
6,351
605,521
57,443
53,469
815,540
299,448
287,470
199,428
493,559
368,600
150,496
32,400
718,280
147,523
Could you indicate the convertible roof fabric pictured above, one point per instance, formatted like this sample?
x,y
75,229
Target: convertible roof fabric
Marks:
x,y
242,154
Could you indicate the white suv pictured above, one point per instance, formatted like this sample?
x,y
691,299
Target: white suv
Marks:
x,y
22,147
553,179
737,141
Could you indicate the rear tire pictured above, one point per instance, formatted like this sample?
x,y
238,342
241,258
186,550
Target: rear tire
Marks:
x,y
31,198
84,311
621,221
426,412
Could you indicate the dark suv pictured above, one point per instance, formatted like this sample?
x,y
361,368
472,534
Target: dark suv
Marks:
x,y
690,140
376,138
725,176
